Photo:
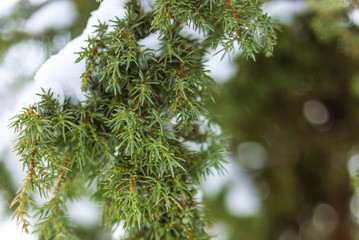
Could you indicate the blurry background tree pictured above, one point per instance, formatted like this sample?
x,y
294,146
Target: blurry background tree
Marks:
x,y
294,124
293,119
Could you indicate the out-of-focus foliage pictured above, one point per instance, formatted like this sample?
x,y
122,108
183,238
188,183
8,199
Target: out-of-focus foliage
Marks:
x,y
11,25
301,106
332,23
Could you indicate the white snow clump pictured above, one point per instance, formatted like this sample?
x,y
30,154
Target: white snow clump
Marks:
x,y
220,68
147,5
60,72
55,15
189,31
151,41
7,7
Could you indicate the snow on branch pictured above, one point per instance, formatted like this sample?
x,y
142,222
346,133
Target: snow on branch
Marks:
x,y
60,73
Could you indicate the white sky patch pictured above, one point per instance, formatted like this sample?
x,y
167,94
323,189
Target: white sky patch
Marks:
x,y
118,231
147,5
56,15
214,183
84,212
7,7
220,231
241,198
10,231
354,16
60,73
285,10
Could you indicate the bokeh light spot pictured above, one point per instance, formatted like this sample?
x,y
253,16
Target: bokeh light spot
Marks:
x,y
315,112
252,155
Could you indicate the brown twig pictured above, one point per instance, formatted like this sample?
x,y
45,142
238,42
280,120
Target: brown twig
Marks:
x,y
233,10
61,179
21,208
181,70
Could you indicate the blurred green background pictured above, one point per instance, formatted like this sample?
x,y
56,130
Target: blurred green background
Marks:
x,y
292,121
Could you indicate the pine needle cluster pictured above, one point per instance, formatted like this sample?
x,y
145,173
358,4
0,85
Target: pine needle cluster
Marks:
x,y
130,137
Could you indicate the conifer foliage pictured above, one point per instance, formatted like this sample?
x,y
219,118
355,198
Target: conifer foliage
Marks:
x,y
143,108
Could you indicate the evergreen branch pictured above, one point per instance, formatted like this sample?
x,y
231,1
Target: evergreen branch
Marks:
x,y
22,198
61,178
130,134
